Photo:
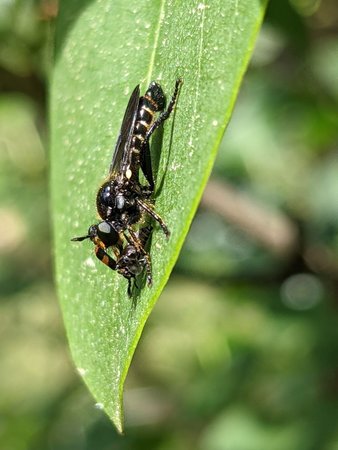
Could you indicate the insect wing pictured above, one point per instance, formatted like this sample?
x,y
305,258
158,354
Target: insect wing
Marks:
x,y
126,132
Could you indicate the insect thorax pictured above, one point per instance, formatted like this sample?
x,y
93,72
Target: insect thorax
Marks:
x,y
116,202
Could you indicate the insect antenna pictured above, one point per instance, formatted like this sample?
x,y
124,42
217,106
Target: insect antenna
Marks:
x,y
81,238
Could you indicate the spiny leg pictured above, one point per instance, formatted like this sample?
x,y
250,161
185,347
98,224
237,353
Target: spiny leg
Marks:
x,y
134,240
165,114
155,216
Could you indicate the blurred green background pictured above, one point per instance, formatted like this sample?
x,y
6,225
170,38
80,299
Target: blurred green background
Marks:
x,y
241,351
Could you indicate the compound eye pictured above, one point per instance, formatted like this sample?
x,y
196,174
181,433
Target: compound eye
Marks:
x,y
120,201
92,231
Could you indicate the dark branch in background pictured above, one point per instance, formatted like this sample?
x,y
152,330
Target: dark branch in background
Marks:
x,y
29,85
321,259
270,228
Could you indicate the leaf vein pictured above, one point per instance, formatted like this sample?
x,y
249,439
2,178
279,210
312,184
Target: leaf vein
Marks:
x,y
156,39
199,70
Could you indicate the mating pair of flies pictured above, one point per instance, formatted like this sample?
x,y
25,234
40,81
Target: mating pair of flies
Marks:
x,y
122,201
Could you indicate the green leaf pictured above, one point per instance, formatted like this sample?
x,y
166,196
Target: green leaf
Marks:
x,y
103,49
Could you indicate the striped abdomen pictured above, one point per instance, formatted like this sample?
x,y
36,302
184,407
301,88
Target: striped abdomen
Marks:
x,y
152,102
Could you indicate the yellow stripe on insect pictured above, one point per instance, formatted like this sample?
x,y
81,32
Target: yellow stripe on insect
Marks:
x,y
140,137
144,123
150,111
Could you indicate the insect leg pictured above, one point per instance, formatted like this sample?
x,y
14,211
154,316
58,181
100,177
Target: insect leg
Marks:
x,y
155,216
105,258
146,165
130,293
165,114
144,234
134,240
147,261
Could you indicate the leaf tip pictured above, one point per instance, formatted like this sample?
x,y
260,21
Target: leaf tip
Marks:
x,y
118,422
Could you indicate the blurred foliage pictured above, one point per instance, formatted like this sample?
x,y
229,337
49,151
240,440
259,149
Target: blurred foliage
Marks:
x,y
241,350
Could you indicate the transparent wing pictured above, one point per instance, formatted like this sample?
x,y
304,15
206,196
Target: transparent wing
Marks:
x,y
126,132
